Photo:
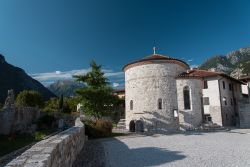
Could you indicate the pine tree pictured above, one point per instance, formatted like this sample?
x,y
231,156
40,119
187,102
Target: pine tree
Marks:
x,y
97,98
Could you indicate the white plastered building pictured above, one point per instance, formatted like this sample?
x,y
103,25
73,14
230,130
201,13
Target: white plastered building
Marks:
x,y
163,94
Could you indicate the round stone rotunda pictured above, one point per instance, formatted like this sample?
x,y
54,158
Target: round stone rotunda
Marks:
x,y
151,93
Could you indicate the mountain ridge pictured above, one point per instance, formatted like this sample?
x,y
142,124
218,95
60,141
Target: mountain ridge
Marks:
x,y
65,87
16,78
235,63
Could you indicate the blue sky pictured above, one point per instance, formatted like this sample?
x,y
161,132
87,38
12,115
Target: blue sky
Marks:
x,y
51,39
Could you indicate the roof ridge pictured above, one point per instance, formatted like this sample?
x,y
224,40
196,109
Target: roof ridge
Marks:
x,y
208,71
156,55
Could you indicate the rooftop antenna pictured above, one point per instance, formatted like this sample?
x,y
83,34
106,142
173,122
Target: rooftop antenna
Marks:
x,y
154,48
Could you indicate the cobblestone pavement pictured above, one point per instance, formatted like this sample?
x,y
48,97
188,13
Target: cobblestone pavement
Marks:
x,y
92,155
220,149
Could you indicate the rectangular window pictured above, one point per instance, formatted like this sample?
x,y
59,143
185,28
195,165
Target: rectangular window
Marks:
x,y
206,101
186,94
225,100
230,87
175,113
223,84
205,85
159,104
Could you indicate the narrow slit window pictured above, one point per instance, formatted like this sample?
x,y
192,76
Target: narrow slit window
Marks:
x,y
159,104
131,105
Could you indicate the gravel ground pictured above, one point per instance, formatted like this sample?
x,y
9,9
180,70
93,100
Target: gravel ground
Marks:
x,y
221,149
92,155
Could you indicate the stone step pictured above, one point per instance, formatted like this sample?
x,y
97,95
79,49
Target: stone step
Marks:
x,y
121,127
121,124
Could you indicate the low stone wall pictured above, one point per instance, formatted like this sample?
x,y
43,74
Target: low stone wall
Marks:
x,y
57,151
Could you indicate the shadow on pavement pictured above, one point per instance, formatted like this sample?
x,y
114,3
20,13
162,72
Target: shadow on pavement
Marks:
x,y
119,155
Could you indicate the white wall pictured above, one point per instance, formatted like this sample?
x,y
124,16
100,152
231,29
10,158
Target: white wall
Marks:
x,y
217,108
190,118
214,107
145,84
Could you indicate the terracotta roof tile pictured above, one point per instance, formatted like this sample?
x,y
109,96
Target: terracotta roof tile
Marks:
x,y
199,73
203,73
155,58
245,79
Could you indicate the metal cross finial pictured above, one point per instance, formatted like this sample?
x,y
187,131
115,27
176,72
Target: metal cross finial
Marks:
x,y
154,48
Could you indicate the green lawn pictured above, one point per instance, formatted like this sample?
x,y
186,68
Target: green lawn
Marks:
x,y
8,145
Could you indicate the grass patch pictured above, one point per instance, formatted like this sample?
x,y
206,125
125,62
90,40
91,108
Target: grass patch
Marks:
x,y
9,144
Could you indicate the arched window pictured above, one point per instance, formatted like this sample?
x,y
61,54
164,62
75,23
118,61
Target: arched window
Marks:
x,y
131,105
159,104
186,95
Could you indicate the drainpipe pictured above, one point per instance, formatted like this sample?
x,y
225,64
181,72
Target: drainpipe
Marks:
x,y
202,106
220,99
234,100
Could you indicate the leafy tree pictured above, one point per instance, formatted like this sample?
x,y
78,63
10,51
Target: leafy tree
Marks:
x,y
52,105
97,98
68,105
29,98
72,102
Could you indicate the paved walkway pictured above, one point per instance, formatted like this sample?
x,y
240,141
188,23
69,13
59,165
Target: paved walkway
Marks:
x,y
92,155
192,149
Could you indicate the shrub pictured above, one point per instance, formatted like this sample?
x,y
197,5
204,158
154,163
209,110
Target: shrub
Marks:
x,y
39,136
98,129
45,122
29,98
105,127
51,105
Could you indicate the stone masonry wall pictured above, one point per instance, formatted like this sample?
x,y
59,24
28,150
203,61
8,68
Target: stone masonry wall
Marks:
x,y
17,119
229,109
192,118
145,84
57,151
244,113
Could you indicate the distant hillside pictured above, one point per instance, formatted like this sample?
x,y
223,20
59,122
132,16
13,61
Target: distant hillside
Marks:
x,y
236,63
65,87
12,77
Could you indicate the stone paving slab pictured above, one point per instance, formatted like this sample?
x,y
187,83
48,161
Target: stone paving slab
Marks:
x,y
92,155
192,149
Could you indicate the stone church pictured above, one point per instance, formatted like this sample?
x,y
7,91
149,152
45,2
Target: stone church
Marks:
x,y
163,94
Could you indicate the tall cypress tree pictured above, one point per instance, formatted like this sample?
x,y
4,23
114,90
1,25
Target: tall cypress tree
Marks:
x,y
61,103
